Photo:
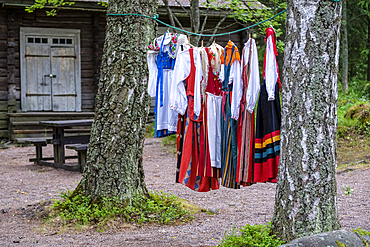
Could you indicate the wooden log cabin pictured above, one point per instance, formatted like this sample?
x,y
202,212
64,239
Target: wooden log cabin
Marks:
x,y
49,66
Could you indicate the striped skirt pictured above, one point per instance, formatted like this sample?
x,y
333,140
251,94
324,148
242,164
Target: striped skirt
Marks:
x,y
267,142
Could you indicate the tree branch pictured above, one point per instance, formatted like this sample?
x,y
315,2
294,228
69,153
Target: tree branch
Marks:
x,y
220,28
186,11
203,26
169,11
216,29
178,22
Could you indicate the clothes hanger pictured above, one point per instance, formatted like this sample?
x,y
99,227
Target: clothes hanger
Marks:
x,y
189,43
202,43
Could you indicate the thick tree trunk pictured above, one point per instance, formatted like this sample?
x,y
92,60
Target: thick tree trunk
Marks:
x,y
344,48
114,163
306,193
368,47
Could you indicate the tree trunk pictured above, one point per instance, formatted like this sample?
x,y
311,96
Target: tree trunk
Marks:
x,y
114,163
195,19
368,48
306,192
344,48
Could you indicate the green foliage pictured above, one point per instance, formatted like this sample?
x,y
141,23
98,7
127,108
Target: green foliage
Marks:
x,y
103,4
347,190
353,109
252,236
40,4
362,232
158,208
345,102
169,140
150,130
252,12
358,49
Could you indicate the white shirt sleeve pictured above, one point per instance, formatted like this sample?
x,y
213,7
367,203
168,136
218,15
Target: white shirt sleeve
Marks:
x,y
178,99
236,78
153,72
198,79
254,78
221,76
271,74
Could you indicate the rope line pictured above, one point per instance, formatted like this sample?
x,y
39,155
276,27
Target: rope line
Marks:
x,y
199,34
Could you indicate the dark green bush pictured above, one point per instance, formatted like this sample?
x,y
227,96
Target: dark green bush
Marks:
x,y
252,236
158,208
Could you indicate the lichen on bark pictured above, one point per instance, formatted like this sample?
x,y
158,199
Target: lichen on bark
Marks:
x,y
305,201
114,161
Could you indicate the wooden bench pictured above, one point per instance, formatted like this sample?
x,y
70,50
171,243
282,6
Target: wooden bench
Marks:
x,y
38,143
81,151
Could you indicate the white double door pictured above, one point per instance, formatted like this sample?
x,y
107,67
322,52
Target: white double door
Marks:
x,y
50,70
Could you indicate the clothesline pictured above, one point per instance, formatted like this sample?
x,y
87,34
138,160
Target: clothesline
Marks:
x,y
200,34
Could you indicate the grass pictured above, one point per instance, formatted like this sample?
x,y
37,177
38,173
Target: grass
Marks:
x,y
159,208
251,236
362,232
353,137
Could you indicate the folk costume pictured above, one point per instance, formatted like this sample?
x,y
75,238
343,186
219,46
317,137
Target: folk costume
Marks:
x,y
267,146
186,99
251,88
210,151
231,95
161,62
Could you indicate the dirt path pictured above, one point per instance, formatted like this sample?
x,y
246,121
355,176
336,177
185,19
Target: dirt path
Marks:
x,y
23,183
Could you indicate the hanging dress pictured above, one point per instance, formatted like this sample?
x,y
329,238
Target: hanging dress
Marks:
x,y
190,130
267,146
231,95
251,88
210,151
161,62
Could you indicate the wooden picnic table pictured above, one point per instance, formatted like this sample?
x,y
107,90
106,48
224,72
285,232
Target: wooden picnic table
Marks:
x,y
60,140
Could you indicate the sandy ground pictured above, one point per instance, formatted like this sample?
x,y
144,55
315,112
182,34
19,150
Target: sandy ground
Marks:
x,y
22,184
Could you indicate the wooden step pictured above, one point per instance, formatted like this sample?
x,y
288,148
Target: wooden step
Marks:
x,y
52,114
25,140
27,123
28,131
42,116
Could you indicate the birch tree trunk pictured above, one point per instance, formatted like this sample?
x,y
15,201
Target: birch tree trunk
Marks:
x,y
114,163
306,192
344,48
368,47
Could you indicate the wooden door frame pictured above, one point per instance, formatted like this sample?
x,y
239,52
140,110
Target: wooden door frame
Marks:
x,y
35,31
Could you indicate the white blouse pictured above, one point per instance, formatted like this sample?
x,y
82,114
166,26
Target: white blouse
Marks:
x,y
237,92
271,74
253,86
178,97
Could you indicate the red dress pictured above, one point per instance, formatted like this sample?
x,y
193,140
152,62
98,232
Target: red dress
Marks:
x,y
192,137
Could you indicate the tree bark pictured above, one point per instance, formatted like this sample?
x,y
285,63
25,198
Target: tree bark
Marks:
x,y
344,48
306,193
114,162
368,48
195,20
